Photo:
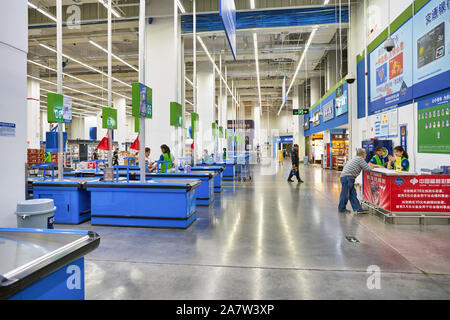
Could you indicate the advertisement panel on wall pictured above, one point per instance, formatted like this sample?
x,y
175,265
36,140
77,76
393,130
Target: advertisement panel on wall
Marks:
x,y
433,117
391,77
386,124
431,37
328,110
341,100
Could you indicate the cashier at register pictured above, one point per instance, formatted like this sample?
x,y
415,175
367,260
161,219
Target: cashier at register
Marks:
x,y
378,158
399,153
149,165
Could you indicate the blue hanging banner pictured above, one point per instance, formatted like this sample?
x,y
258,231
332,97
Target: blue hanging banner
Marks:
x,y
228,16
403,134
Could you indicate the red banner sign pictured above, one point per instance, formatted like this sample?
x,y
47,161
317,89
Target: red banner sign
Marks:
x,y
422,193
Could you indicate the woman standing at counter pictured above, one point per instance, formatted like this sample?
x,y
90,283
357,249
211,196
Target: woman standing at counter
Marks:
x,y
166,156
403,164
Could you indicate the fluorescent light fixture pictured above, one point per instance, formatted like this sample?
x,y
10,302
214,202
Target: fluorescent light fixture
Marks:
x,y
311,36
78,79
326,2
255,44
180,6
113,11
85,65
189,81
217,70
252,4
95,44
189,102
45,13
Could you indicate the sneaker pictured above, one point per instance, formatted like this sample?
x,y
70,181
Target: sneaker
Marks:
x,y
362,211
289,180
344,211
300,181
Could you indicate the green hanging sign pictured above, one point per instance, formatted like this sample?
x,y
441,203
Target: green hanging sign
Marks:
x,y
109,118
214,129
136,124
221,132
55,106
141,100
176,114
194,123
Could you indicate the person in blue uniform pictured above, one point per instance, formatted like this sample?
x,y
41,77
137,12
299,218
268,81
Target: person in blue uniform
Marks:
x,y
399,152
378,158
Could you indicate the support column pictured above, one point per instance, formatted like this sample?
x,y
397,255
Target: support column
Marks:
x,y
315,90
13,108
206,106
120,135
331,70
257,122
33,114
295,105
301,133
162,74
76,130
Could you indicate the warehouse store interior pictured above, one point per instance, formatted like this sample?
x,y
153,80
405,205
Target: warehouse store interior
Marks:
x,y
208,149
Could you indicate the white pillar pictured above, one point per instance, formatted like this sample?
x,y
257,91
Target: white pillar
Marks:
x,y
331,70
315,90
301,133
206,106
13,108
223,101
76,130
120,135
33,114
295,105
162,74
257,123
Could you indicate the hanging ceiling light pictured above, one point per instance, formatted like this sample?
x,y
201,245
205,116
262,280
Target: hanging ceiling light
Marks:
x,y
95,44
45,13
113,11
255,45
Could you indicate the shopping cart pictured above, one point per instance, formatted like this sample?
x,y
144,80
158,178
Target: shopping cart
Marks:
x,y
243,172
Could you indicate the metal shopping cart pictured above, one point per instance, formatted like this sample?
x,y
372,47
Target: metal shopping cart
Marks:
x,y
243,172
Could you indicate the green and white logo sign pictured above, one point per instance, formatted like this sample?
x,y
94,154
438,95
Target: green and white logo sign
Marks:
x,y
109,118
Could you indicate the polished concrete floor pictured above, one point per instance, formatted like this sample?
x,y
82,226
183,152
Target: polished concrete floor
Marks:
x,y
268,239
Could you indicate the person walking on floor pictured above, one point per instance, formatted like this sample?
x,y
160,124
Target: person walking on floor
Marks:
x,y
295,163
350,172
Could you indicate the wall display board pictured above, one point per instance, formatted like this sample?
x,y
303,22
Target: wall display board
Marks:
x,y
306,123
316,118
386,124
141,100
433,117
176,114
341,100
391,76
109,118
328,110
431,39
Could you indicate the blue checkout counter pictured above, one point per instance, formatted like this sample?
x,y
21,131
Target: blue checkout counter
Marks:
x,y
72,201
217,179
156,203
229,173
205,192
38,264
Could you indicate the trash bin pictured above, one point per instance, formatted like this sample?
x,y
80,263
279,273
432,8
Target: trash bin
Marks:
x,y
36,213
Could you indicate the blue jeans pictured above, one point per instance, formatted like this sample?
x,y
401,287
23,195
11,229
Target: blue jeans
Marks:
x,y
348,192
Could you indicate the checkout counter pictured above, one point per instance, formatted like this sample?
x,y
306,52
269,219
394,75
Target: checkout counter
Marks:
x,y
38,264
217,179
407,193
161,204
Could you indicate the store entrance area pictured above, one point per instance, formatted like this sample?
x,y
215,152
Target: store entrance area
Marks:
x,y
296,249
